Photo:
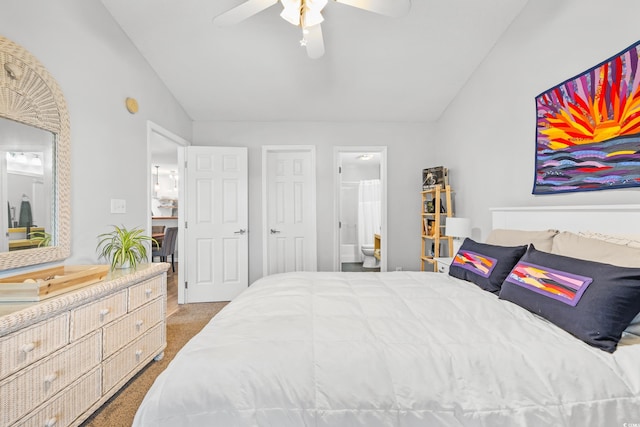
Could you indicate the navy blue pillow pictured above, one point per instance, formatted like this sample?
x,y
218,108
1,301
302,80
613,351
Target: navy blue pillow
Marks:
x,y
591,300
485,265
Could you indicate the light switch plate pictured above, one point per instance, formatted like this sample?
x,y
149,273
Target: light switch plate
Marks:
x,y
118,206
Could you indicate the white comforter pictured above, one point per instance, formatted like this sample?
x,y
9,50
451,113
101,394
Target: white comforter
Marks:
x,y
388,349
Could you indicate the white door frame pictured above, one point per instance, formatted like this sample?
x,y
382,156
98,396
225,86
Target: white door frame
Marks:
x,y
266,149
336,200
180,144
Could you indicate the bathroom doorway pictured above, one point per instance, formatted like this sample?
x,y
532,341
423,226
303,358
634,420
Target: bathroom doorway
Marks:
x,y
360,200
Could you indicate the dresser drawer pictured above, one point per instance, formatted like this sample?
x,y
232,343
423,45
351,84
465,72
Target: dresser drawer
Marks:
x,y
131,326
97,314
28,345
146,291
122,363
40,381
68,405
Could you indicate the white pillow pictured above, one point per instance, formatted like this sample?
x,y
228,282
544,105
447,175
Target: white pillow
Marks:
x,y
541,240
575,246
618,240
634,326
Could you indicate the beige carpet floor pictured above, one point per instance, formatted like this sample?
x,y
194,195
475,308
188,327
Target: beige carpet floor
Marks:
x,y
181,326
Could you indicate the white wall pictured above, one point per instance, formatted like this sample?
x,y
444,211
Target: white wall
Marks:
x,y
487,134
407,155
97,67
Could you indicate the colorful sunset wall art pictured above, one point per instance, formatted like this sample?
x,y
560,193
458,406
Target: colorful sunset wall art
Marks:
x,y
588,129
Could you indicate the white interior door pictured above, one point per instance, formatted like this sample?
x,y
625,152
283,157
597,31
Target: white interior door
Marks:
x,y
217,218
289,209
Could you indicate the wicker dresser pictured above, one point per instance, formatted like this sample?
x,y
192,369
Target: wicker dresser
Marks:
x,y
62,358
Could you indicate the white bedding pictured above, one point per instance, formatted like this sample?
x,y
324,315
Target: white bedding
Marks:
x,y
388,349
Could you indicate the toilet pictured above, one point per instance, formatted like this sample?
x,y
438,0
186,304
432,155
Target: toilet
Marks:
x,y
369,260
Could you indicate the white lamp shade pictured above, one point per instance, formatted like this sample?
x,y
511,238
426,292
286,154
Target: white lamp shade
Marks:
x,y
457,227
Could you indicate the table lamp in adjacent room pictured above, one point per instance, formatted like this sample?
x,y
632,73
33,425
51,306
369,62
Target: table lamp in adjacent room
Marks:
x,y
459,229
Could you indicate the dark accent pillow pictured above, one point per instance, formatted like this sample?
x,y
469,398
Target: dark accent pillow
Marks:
x,y
485,265
591,300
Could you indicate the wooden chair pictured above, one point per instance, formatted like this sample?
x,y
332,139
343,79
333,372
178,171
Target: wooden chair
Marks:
x,y
157,232
168,246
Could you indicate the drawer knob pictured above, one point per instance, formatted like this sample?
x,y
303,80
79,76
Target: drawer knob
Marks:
x,y
26,348
138,354
50,378
139,323
51,422
148,292
104,312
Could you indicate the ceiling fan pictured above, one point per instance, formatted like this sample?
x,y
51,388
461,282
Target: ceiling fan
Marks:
x,y
307,14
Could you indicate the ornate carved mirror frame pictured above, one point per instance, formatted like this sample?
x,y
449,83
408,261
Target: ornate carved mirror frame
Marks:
x,y
30,95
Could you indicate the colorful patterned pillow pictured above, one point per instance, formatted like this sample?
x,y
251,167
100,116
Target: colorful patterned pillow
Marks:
x,y
608,254
591,300
485,265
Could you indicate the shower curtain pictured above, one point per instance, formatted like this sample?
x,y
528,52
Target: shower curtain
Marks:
x,y
26,217
369,211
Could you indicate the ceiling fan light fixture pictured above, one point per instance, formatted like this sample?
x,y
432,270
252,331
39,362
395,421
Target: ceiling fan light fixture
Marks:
x,y
291,11
311,12
311,18
307,14
303,13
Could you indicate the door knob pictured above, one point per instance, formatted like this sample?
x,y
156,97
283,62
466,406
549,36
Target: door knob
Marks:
x,y
274,231
241,231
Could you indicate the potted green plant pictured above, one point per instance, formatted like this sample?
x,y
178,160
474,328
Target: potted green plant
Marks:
x,y
124,248
42,237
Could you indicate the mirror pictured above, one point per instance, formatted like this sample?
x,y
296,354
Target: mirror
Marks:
x,y
26,171
34,162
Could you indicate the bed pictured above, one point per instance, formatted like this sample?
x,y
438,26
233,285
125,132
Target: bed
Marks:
x,y
408,349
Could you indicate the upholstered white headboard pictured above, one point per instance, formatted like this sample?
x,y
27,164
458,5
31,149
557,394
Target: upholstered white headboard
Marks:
x,y
607,219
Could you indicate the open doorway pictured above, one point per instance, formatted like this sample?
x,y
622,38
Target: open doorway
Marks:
x,y
361,209
165,152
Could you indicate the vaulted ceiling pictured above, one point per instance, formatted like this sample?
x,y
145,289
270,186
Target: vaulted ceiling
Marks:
x,y
375,68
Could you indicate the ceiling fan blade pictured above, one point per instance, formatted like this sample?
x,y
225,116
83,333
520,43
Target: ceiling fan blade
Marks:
x,y
315,42
242,12
393,8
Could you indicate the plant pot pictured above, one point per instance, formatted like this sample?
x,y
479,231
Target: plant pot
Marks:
x,y
123,266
